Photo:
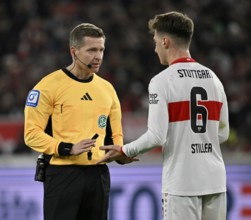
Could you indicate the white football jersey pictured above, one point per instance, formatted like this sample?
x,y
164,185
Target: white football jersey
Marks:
x,y
188,117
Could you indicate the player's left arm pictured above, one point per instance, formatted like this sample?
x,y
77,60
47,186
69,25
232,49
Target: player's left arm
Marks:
x,y
224,119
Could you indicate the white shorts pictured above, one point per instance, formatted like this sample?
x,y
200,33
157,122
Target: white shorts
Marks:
x,y
207,207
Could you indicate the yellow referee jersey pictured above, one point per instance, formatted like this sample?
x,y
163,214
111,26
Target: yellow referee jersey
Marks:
x,y
78,109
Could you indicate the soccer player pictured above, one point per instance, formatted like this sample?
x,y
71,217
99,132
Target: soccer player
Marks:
x,y
62,114
188,116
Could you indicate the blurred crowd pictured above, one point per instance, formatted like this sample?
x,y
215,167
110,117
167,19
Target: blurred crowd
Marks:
x,y
34,41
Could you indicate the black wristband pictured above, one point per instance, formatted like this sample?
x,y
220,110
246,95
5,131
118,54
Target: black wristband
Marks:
x,y
64,149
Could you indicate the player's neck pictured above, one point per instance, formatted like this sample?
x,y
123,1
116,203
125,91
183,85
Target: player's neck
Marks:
x,y
177,54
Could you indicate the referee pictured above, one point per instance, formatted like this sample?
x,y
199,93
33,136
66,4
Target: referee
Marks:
x,y
78,107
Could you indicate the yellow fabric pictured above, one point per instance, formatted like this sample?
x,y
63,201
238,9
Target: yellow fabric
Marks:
x,y
73,118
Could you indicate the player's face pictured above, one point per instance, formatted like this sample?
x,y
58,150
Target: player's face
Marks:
x,y
92,52
159,47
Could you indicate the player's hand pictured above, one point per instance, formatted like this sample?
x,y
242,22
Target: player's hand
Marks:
x,y
126,160
82,146
113,154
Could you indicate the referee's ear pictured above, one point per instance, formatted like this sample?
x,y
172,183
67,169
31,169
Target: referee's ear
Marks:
x,y
73,53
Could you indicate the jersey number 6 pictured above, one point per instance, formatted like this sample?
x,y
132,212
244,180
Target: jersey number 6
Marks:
x,y
198,111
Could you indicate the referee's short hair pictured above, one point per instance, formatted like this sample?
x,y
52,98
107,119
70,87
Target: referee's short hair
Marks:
x,y
84,30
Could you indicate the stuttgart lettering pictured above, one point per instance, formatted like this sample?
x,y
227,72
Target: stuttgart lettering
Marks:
x,y
198,74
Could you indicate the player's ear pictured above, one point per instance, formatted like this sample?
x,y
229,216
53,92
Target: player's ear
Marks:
x,y
166,42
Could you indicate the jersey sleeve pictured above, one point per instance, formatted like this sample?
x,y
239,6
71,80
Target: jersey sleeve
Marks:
x,y
115,117
38,109
156,133
224,121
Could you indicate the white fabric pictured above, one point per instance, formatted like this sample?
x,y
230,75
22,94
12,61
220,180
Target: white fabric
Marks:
x,y
208,207
192,161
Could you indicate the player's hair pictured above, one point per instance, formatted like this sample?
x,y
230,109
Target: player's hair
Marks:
x,y
174,23
84,30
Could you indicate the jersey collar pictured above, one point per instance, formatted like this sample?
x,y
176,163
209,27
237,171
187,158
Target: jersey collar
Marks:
x,y
183,60
70,74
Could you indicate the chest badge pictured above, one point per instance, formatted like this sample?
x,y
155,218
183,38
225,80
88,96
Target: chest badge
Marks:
x,y
102,121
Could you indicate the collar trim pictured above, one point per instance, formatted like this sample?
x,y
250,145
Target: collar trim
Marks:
x,y
183,60
68,73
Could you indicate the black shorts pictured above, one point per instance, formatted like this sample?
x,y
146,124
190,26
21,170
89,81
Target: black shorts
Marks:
x,y
73,192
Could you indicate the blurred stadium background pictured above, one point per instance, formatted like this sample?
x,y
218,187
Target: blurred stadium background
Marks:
x,y
34,41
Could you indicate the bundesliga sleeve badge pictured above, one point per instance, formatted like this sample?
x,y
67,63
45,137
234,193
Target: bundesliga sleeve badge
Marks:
x,y
33,98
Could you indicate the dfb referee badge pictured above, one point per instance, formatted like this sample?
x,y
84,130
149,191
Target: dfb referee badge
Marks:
x,y
102,121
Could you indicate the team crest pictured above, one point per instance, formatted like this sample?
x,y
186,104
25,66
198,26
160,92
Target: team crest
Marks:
x,y
102,121
33,98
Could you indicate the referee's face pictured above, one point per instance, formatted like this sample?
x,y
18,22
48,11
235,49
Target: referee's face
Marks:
x,y
92,52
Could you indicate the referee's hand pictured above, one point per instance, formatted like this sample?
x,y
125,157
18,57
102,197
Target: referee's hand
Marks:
x,y
82,146
114,153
